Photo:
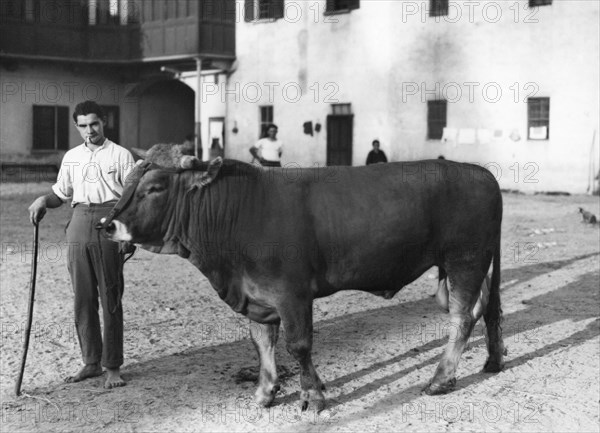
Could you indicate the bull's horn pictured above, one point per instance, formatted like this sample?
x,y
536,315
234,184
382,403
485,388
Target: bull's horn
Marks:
x,y
188,162
140,152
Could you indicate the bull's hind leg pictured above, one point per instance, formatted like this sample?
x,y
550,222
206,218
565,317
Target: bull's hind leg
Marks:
x,y
265,339
463,294
296,316
493,319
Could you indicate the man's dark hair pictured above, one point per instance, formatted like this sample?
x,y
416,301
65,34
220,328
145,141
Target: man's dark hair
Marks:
x,y
375,141
271,125
87,107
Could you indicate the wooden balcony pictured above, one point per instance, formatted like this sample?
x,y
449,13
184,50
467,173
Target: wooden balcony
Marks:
x,y
152,30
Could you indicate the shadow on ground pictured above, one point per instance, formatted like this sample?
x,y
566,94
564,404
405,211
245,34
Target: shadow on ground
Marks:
x,y
196,375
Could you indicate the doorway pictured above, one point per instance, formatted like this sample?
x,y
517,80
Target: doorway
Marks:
x,y
339,139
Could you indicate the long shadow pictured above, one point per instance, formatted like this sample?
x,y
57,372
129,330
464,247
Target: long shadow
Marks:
x,y
580,296
393,401
353,333
530,271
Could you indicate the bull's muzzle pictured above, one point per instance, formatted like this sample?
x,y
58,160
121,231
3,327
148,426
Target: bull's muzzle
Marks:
x,y
107,227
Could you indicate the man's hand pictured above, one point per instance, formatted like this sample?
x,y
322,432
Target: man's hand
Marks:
x,y
37,210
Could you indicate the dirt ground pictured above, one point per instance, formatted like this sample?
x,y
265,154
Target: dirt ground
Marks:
x,y
190,363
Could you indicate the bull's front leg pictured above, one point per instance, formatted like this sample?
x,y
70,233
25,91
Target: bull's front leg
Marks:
x,y
265,338
296,315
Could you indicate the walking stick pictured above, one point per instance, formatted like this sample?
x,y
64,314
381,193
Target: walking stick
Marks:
x,y
29,309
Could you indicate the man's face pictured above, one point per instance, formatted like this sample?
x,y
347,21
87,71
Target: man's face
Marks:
x,y
376,146
91,128
272,132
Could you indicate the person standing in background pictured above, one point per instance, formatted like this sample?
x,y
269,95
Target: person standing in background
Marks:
x,y
268,150
376,155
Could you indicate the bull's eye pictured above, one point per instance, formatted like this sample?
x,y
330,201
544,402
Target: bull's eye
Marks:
x,y
155,188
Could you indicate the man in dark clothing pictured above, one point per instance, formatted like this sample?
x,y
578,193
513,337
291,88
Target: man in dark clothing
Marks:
x,y
376,156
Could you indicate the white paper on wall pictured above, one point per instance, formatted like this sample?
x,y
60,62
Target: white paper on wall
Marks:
x,y
484,136
449,135
466,136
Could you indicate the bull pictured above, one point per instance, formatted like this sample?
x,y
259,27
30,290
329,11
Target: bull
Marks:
x,y
374,228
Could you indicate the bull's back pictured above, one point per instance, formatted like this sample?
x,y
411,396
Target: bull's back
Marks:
x,y
386,224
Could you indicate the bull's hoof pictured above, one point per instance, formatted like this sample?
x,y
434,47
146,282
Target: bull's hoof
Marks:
x,y
312,399
440,388
493,366
264,397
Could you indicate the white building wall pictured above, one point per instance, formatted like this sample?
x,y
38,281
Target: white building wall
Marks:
x,y
211,106
378,56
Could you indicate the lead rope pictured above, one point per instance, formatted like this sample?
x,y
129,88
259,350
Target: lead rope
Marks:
x,y
121,280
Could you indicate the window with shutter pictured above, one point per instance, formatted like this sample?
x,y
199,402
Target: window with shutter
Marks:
x,y
50,128
534,3
263,9
341,5
249,10
436,119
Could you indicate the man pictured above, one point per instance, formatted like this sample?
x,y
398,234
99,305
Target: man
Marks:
x,y
92,175
376,156
268,150
189,145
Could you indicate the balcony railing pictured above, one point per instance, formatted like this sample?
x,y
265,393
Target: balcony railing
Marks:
x,y
151,29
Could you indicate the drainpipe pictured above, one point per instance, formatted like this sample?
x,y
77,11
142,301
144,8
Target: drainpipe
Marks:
x,y
198,138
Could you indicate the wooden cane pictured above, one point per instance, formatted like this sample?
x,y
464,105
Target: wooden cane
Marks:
x,y
29,309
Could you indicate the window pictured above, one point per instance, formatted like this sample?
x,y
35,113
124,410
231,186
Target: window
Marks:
x,y
102,12
538,118
341,109
341,5
266,118
436,119
10,10
263,9
19,10
438,8
50,127
534,3
111,127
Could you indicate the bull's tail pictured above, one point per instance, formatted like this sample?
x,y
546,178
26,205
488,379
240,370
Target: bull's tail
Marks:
x,y
493,319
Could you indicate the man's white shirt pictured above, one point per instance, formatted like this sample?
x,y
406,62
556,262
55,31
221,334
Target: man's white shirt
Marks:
x,y
269,149
96,176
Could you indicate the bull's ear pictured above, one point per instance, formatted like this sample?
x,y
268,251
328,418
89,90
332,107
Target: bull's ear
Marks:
x,y
213,170
140,152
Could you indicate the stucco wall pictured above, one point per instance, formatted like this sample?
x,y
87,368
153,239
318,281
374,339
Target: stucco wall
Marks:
x,y
388,58
52,84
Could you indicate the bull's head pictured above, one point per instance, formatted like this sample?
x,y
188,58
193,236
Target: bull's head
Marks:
x,y
141,214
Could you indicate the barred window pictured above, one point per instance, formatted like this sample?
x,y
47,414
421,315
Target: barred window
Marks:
x,y
266,118
538,118
438,8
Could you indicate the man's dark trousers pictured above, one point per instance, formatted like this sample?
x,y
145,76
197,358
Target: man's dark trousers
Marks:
x,y
96,269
